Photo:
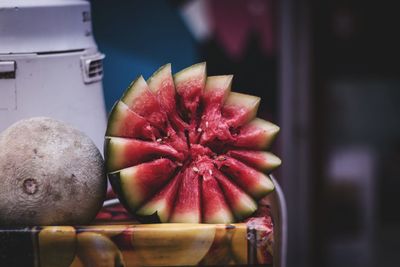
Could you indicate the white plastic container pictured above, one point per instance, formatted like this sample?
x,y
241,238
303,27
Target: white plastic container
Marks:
x,y
50,65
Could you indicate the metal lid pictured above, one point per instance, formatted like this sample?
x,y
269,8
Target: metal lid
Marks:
x,y
28,26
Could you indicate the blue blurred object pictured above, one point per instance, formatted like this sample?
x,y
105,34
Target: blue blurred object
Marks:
x,y
137,38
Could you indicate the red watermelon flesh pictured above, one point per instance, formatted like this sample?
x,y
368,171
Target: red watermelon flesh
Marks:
x,y
189,87
124,152
213,126
215,208
187,204
255,183
140,100
201,143
162,203
161,84
241,204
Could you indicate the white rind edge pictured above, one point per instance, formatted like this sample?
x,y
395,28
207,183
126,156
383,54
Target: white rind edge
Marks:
x,y
199,69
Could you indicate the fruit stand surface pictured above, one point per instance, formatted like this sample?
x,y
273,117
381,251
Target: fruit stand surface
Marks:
x,y
117,240
137,245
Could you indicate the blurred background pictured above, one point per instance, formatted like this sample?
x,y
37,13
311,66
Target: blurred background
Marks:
x,y
328,74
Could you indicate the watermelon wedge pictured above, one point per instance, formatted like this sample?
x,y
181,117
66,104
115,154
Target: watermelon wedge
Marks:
x,y
143,180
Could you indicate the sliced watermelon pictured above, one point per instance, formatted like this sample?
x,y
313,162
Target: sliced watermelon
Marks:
x,y
189,84
161,204
258,134
142,181
162,85
255,183
261,160
210,136
187,205
240,108
126,123
241,204
142,101
123,152
215,208
217,90
213,127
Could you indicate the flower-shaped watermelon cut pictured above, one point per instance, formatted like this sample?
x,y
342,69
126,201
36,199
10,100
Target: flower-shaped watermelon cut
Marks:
x,y
184,148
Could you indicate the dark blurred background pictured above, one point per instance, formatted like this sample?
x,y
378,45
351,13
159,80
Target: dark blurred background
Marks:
x,y
328,74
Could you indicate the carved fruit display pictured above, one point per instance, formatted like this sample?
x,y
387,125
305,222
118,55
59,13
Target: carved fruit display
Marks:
x,y
183,148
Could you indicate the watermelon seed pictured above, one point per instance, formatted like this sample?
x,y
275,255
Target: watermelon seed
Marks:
x,y
199,130
221,158
210,172
159,140
207,124
195,169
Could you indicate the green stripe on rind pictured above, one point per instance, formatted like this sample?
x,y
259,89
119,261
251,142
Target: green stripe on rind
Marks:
x,y
223,216
252,181
114,116
218,83
123,122
261,160
122,153
241,204
158,207
141,182
127,181
271,129
266,187
270,163
248,104
263,131
107,152
244,208
214,206
243,100
155,80
110,151
115,181
135,90
114,149
196,70
161,204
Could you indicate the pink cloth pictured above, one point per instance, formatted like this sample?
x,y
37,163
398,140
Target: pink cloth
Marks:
x,y
233,21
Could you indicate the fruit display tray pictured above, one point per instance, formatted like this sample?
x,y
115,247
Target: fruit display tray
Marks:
x,y
258,241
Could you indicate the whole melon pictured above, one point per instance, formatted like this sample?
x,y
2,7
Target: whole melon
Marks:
x,y
50,174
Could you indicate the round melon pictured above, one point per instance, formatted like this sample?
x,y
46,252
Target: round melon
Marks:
x,y
183,148
50,174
